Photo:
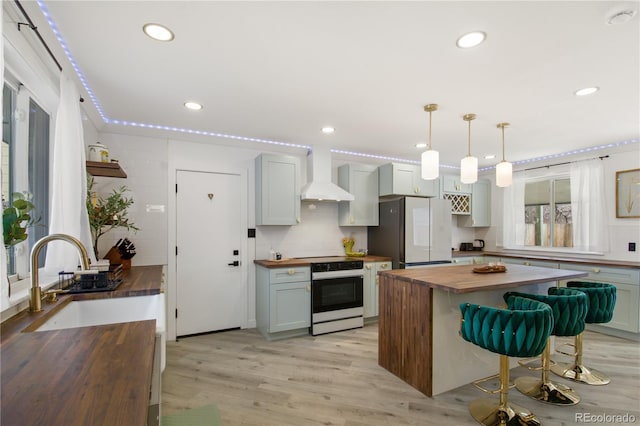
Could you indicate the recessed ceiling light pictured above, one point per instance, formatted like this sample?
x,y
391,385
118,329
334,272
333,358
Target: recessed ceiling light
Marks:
x,y
421,145
586,91
193,105
489,156
158,32
471,39
328,130
621,17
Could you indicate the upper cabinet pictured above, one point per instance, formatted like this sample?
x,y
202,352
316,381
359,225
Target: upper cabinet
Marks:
x,y
480,206
453,185
405,179
362,182
98,168
277,189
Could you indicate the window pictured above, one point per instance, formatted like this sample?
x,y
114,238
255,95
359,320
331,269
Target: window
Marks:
x,y
547,213
25,156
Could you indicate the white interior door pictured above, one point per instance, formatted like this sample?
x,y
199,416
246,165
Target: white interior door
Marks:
x,y
210,288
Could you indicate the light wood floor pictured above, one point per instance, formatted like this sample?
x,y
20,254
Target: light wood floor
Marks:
x,y
335,379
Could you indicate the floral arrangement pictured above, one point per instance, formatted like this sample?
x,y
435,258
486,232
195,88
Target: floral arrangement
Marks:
x,y
347,243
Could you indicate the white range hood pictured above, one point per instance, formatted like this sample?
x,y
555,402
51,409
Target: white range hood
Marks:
x,y
319,186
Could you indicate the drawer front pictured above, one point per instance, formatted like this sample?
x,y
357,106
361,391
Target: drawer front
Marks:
x,y
289,275
530,262
383,266
606,274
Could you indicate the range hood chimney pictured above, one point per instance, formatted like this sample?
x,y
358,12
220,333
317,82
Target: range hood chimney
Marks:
x,y
319,186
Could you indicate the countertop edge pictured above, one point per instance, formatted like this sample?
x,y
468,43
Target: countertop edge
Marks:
x,y
580,261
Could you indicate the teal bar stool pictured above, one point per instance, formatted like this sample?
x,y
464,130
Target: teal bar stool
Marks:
x,y
569,309
521,330
602,301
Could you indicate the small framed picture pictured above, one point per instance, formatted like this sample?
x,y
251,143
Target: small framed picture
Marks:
x,y
628,193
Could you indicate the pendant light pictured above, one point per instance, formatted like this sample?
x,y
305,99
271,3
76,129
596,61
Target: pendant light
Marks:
x,y
504,169
469,164
430,159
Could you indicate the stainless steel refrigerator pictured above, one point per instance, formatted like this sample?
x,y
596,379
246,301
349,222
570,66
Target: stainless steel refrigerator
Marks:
x,y
413,231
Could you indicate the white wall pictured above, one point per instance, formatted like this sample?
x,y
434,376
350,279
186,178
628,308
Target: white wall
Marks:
x,y
151,165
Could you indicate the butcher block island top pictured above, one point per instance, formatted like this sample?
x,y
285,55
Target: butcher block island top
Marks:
x,y
462,279
419,307
86,375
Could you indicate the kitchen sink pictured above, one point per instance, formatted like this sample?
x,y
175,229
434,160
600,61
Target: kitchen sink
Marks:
x,y
84,313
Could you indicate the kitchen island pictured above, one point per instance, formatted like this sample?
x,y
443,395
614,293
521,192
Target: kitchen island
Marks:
x,y
87,375
419,320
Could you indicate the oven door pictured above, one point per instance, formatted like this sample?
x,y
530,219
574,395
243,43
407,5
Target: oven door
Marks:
x,y
332,294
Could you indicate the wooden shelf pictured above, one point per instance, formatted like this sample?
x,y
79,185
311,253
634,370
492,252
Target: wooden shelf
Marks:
x,y
97,168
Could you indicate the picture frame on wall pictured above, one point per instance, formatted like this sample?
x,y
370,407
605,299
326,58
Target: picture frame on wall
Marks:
x,y
628,194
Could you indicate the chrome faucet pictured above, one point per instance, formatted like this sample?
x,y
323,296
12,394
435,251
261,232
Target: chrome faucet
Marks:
x,y
35,304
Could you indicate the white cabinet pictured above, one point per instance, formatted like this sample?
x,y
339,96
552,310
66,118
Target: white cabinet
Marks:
x,y
453,185
480,206
626,314
283,301
362,182
370,286
405,179
277,189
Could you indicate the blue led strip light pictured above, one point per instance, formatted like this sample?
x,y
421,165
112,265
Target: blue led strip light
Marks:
x,y
108,120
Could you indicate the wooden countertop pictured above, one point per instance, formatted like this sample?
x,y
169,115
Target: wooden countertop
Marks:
x,y
79,376
462,279
87,375
307,261
589,261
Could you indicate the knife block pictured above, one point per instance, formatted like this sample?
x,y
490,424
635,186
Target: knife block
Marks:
x,y
114,257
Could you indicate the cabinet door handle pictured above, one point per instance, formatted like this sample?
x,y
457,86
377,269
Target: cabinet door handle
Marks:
x,y
291,271
298,220
384,266
351,219
308,288
368,267
596,270
527,264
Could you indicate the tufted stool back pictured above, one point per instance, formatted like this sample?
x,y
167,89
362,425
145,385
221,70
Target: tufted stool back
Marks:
x,y
569,308
519,331
602,300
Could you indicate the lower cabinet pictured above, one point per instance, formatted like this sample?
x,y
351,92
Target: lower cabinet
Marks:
x,y
626,314
371,286
530,262
283,301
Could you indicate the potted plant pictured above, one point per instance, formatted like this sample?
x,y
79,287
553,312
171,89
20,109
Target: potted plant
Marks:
x,y
16,218
107,213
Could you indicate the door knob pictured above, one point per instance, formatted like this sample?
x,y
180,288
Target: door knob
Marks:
x,y
234,263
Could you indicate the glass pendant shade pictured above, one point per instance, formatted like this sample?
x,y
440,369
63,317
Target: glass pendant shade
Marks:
x,y
469,169
430,162
504,171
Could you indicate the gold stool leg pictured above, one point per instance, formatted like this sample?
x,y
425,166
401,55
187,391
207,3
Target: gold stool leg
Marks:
x,y
492,412
578,372
543,389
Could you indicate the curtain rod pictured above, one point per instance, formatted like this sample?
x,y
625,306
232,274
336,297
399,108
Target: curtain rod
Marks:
x,y
35,30
562,164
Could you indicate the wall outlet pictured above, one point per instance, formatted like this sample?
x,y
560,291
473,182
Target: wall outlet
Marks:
x,y
632,246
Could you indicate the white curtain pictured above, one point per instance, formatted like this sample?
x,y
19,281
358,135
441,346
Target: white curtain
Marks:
x,y
69,187
513,231
588,207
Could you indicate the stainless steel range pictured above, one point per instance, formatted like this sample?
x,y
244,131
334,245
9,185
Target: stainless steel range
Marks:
x,y
336,295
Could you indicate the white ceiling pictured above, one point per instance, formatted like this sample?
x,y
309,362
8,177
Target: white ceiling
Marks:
x,y
282,70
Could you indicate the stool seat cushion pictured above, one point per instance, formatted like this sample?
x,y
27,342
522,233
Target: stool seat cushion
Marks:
x,y
521,330
569,309
602,300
